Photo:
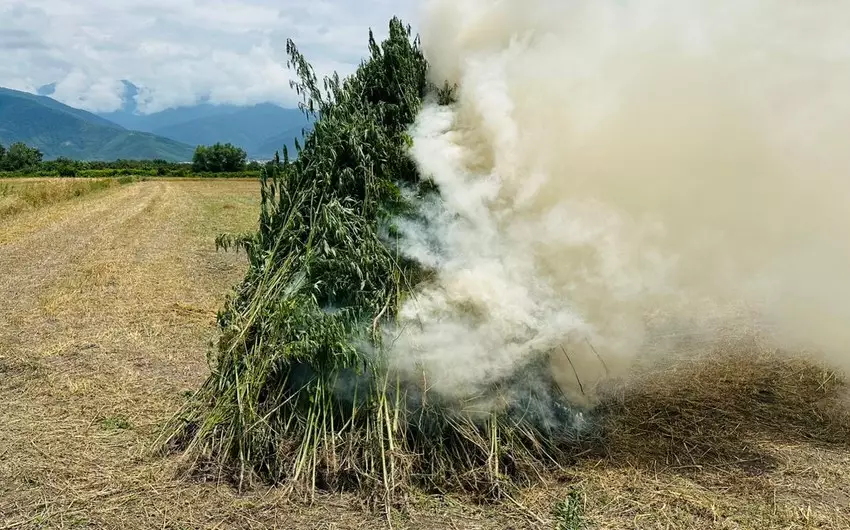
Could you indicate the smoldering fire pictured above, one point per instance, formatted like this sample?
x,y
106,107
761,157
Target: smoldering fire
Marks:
x,y
614,169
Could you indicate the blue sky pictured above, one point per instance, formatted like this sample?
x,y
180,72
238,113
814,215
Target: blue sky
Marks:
x,y
181,50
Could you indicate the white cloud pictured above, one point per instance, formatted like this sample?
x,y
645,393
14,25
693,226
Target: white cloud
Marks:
x,y
179,51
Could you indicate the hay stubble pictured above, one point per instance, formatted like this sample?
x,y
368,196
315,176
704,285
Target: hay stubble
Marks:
x,y
109,306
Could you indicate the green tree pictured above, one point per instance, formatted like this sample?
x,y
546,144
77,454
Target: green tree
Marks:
x,y
20,156
199,159
219,158
2,154
65,167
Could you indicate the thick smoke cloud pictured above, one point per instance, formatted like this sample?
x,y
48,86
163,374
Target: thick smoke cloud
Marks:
x,y
618,176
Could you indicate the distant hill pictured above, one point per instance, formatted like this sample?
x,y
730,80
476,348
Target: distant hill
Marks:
x,y
54,105
260,130
165,118
59,130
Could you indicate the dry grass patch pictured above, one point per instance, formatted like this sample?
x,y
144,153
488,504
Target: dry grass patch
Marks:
x,y
742,438
24,194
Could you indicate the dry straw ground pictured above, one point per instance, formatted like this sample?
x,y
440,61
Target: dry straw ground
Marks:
x,y
22,194
108,306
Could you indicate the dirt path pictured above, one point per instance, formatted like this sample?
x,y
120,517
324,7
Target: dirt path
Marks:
x,y
108,303
107,307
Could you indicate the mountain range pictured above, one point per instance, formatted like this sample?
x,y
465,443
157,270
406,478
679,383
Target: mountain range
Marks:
x,y
259,129
59,130
172,134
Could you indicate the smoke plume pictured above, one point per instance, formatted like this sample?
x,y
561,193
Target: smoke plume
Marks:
x,y
617,176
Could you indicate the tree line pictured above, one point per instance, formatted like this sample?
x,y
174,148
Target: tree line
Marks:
x,y
214,160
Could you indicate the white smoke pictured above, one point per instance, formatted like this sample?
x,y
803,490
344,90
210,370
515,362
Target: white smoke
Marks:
x,y
614,170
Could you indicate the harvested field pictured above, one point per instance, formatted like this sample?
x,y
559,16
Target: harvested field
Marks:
x,y
109,308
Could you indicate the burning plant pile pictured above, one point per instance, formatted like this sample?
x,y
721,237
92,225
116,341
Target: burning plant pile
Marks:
x,y
469,249
302,389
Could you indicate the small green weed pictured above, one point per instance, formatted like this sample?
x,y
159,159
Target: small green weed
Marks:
x,y
115,423
569,513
